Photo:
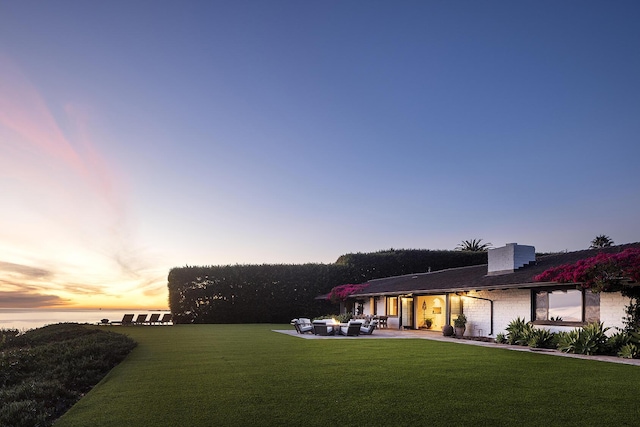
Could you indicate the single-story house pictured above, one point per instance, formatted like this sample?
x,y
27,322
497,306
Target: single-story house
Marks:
x,y
493,295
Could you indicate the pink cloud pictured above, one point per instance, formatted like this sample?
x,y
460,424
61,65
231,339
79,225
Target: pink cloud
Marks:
x,y
24,111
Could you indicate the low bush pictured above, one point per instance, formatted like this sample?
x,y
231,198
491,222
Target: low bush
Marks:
x,y
518,332
342,318
629,351
43,372
7,335
616,342
591,339
541,338
628,344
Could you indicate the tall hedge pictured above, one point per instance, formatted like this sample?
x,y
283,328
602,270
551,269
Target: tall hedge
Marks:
x,y
396,262
277,293
251,293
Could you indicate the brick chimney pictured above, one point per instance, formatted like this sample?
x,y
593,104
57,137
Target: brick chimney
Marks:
x,y
509,258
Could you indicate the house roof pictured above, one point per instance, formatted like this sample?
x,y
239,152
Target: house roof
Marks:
x,y
476,278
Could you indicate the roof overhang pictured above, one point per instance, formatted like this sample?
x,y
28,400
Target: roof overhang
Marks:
x,y
440,291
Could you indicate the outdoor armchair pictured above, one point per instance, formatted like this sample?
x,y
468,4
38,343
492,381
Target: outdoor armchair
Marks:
x,y
352,329
303,325
368,330
323,327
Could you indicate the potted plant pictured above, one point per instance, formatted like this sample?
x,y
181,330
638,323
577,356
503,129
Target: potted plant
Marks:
x,y
460,324
428,322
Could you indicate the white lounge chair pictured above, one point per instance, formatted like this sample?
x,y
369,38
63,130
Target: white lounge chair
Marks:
x,y
303,325
352,329
368,329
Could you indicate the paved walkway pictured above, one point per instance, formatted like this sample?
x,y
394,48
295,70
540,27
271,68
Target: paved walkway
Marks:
x,y
437,336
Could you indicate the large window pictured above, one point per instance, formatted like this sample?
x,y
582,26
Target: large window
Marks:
x,y
567,306
392,306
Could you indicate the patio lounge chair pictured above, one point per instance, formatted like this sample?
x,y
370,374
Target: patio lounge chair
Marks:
x,y
323,327
155,318
303,325
126,320
352,329
140,319
368,330
166,318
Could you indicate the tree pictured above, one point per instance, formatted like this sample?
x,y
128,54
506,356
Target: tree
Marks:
x,y
473,245
601,241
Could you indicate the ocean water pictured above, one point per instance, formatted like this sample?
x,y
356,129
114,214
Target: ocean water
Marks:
x,y
29,318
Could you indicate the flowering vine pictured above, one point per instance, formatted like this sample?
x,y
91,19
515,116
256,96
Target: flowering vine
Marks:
x,y
340,293
604,272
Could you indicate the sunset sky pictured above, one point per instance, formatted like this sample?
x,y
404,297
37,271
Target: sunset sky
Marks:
x,y
137,136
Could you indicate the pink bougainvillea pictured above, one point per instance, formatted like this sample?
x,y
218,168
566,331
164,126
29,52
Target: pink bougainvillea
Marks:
x,y
604,272
340,293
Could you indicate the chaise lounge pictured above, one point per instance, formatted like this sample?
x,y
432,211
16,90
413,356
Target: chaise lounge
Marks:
x,y
140,319
127,319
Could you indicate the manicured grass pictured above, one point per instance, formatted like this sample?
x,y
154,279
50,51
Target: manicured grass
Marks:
x,y
241,375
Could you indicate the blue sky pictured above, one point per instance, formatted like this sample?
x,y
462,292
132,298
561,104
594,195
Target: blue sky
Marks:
x,y
136,136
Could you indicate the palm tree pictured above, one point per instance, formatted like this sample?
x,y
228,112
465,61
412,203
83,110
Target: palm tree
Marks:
x,y
601,241
473,245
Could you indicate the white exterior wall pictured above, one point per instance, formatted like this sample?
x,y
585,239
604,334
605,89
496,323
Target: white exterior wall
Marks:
x,y
612,310
380,305
366,307
507,306
510,304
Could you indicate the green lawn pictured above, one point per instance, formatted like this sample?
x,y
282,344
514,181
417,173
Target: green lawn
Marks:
x,y
246,375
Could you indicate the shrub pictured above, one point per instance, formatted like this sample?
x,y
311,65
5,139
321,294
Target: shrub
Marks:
x,y
518,332
461,321
342,318
629,351
7,335
616,342
567,341
588,340
501,338
630,345
45,371
541,338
